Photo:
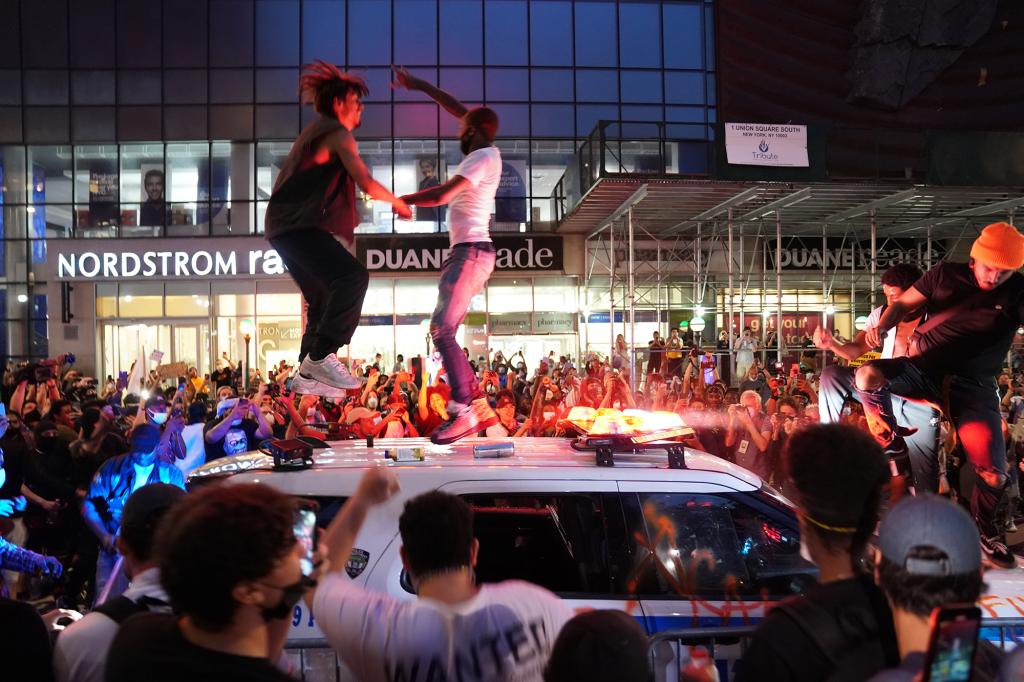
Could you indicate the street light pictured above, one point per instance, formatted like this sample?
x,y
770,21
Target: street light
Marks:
x,y
247,328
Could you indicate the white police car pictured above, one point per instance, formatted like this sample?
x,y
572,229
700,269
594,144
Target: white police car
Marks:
x,y
705,546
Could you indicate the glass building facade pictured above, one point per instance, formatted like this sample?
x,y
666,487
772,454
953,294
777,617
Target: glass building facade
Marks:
x,y
147,119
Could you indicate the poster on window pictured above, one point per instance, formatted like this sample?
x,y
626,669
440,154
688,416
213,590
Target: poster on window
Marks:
x,y
103,193
429,171
153,203
510,200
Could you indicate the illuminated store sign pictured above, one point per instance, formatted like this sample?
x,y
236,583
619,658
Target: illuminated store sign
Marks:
x,y
228,258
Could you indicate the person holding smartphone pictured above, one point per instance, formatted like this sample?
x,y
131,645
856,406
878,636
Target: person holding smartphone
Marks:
x,y
928,564
238,430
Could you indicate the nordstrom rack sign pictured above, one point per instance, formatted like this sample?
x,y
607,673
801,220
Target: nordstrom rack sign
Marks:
x,y
219,258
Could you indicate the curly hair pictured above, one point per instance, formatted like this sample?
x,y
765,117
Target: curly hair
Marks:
x,y
223,536
838,473
902,275
437,532
321,83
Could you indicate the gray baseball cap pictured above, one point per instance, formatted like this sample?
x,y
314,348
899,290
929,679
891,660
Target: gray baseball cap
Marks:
x,y
928,521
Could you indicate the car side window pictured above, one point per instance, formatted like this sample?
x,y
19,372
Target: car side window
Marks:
x,y
558,541
689,545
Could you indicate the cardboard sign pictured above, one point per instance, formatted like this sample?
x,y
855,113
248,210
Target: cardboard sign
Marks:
x,y
172,370
867,357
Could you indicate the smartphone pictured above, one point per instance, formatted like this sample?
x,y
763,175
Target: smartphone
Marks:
x,y
952,644
304,527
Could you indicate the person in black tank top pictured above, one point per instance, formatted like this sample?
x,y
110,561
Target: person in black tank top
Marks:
x,y
311,221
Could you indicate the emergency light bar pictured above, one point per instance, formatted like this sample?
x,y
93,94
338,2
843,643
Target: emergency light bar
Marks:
x,y
608,431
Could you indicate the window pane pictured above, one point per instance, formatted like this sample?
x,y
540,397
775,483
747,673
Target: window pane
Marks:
x,y
552,85
548,162
229,86
185,33
106,300
379,297
92,87
187,180
44,27
12,184
638,28
551,293
369,37
415,32
138,87
597,86
587,117
555,541
552,120
417,167
641,86
682,39
187,299
509,296
375,216
96,186
513,119
323,31
465,84
50,169
141,299
231,33
415,296
277,85
46,87
551,33
91,21
277,33
684,87
508,85
269,157
595,22
143,189
10,87
185,86
461,34
719,548
138,33
506,32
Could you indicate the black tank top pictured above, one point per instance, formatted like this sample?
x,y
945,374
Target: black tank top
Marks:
x,y
309,195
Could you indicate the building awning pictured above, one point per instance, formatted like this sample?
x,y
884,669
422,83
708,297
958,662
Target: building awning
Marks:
x,y
673,207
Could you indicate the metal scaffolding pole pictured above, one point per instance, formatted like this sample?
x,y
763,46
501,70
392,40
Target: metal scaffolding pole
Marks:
x,y
611,288
697,293
732,295
632,306
743,289
874,254
778,285
928,246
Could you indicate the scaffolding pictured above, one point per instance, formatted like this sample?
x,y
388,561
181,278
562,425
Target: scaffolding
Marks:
x,y
668,246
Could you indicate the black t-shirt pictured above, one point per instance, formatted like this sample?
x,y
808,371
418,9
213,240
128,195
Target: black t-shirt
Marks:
x,y
239,438
15,451
973,342
222,377
781,650
150,647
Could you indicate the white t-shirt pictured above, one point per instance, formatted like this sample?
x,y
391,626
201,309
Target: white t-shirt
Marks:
x,y
889,342
142,475
195,449
469,213
507,629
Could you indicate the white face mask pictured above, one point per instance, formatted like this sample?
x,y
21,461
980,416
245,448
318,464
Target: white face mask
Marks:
x,y
236,422
159,418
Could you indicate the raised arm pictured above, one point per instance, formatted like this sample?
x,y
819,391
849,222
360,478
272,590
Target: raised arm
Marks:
x,y
342,144
404,79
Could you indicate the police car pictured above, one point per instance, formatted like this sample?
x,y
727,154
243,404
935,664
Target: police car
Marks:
x,y
700,544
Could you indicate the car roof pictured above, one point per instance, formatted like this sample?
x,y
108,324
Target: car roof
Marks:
x,y
339,466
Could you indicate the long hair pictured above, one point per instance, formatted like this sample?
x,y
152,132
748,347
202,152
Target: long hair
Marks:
x,y
320,83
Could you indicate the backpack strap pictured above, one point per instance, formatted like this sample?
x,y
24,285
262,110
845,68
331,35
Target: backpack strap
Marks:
x,y
119,608
819,626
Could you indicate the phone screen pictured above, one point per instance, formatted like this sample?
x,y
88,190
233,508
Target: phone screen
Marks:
x,y
954,639
304,528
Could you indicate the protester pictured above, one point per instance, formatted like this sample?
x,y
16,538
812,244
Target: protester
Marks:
x,y
841,629
929,556
748,430
507,628
116,480
229,562
238,429
600,646
81,651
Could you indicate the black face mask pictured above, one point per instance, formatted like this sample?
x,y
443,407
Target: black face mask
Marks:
x,y
46,443
290,596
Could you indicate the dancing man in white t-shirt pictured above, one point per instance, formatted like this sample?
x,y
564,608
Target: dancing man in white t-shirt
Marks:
x,y
469,194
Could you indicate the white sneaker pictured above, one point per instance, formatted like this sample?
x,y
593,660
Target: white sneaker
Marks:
x,y
328,371
463,422
304,386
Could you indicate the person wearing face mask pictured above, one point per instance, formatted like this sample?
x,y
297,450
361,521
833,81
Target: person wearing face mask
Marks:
x,y
156,411
838,499
748,430
195,443
51,492
238,430
230,564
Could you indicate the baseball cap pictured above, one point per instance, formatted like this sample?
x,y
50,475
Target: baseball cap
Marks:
x,y
928,521
156,402
145,438
148,501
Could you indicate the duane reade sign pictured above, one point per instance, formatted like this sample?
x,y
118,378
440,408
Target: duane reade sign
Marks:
x,y
404,254
766,144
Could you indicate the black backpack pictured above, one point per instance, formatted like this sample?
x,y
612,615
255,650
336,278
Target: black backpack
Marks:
x,y
119,608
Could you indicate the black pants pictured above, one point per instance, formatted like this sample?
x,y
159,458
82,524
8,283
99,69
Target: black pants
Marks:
x,y
333,283
974,411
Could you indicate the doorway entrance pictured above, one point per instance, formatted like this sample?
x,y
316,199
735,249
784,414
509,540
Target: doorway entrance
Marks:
x,y
186,341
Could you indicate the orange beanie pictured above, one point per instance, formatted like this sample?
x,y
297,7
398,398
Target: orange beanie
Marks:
x,y
1001,246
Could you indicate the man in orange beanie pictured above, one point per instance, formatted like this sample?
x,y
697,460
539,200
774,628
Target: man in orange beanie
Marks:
x,y
972,312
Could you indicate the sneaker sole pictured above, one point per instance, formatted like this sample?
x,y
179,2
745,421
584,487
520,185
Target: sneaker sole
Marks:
x,y
488,423
307,386
447,440
991,563
349,386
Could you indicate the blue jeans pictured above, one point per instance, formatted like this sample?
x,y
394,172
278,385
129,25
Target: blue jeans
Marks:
x,y
463,276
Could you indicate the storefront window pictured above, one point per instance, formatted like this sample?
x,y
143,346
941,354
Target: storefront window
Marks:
x,y
187,299
234,298
419,166
415,295
141,299
143,190
189,188
555,294
106,300
509,295
96,187
379,297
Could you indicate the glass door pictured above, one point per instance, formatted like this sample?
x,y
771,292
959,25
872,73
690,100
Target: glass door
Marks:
x,y
124,343
191,345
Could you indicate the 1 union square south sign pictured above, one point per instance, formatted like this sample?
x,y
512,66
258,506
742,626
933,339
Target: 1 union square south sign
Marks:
x,y
226,258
